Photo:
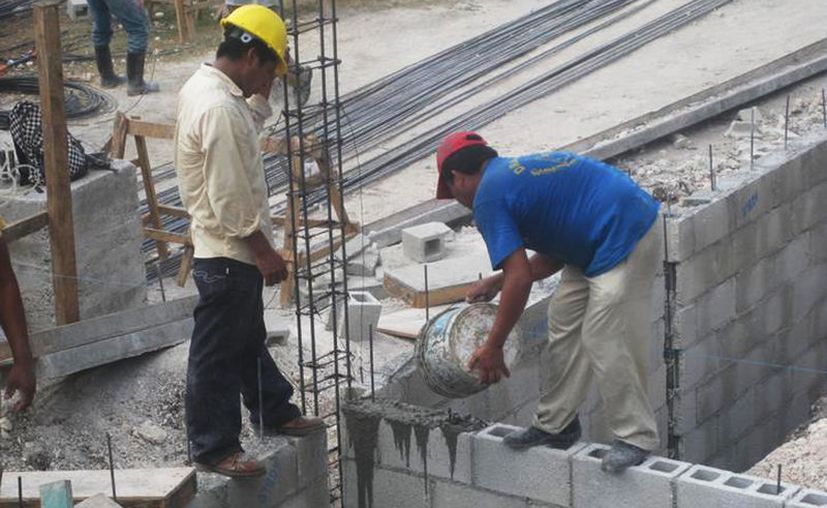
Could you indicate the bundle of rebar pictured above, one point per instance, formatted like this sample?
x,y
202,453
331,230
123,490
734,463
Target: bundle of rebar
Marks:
x,y
385,108
81,100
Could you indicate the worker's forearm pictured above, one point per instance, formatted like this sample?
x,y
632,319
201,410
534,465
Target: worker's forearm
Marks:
x,y
13,321
543,266
512,303
258,243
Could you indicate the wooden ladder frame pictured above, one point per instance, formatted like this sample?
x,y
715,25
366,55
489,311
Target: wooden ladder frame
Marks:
x,y
292,220
151,221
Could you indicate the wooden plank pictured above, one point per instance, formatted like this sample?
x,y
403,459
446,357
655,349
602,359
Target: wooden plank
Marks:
x,y
117,148
448,280
180,14
166,236
406,323
151,197
108,326
25,227
138,127
145,488
186,266
56,494
102,352
56,160
174,211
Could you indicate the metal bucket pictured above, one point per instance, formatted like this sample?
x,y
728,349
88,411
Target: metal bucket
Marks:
x,y
447,342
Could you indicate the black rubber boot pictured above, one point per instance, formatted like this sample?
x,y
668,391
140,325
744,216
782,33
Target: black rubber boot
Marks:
x,y
103,58
532,436
135,74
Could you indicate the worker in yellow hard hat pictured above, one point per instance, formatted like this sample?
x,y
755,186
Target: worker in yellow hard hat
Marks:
x,y
221,110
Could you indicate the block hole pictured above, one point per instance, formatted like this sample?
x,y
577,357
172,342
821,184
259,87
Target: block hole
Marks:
x,y
500,431
771,488
597,453
358,297
664,467
738,482
815,500
705,475
433,247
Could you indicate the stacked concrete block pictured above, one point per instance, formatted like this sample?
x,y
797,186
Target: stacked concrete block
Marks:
x,y
748,297
363,315
702,487
296,477
808,498
541,473
425,243
649,484
108,237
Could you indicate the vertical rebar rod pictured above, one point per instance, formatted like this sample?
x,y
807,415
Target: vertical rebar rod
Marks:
x,y
111,467
778,483
711,171
160,280
752,138
20,492
370,345
824,107
260,399
787,123
427,298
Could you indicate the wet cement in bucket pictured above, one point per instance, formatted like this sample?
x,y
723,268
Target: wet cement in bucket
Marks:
x,y
363,417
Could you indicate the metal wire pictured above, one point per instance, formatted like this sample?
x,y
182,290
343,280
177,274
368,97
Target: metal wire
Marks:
x,y
81,100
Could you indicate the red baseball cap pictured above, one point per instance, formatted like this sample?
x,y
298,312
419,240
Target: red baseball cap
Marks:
x,y
451,145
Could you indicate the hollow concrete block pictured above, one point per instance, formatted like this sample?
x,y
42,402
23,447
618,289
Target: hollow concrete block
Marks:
x,y
399,448
808,498
453,495
425,243
541,473
363,314
703,487
648,484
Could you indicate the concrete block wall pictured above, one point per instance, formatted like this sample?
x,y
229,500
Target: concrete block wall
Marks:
x,y
486,474
296,477
750,266
107,243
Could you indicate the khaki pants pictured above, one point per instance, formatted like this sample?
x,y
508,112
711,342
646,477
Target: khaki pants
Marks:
x,y
600,327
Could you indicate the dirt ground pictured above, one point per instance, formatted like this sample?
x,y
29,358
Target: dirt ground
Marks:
x,y
143,411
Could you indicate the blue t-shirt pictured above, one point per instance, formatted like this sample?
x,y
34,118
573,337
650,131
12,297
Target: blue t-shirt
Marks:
x,y
579,211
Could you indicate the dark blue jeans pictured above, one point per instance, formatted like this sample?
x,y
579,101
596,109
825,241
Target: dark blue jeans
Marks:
x,y
227,341
132,16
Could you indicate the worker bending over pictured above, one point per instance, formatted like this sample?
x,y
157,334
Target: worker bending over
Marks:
x,y
221,180
591,221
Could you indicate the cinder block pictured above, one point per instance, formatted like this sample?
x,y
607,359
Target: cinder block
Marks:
x,y
686,326
311,457
701,442
786,175
792,259
716,307
704,487
385,488
399,448
807,292
774,230
818,243
541,473
98,501
711,223
737,418
364,311
77,9
680,238
316,495
425,243
808,208
454,495
364,264
771,395
808,498
705,270
752,284
648,484
278,483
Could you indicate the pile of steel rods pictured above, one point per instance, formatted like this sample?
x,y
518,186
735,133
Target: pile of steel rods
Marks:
x,y
371,118
81,100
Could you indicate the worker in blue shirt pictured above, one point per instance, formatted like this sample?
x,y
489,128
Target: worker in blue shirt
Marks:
x,y
594,223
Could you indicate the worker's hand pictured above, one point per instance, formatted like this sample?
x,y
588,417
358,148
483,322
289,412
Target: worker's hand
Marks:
x,y
272,266
490,363
21,378
484,290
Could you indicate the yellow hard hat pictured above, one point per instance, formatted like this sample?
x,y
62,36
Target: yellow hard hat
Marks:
x,y
266,26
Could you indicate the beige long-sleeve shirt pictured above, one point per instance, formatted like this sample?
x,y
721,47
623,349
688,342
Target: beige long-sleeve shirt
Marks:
x,y
219,165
